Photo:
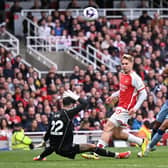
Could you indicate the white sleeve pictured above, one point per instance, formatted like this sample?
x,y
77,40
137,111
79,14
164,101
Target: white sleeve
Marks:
x,y
141,97
139,85
137,82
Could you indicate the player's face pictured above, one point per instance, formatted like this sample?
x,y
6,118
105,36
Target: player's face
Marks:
x,y
126,65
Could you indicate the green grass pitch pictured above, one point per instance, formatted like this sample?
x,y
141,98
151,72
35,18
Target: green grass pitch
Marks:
x,y
23,159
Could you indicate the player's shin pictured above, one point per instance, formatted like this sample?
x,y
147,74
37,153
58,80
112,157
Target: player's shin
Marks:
x,y
103,152
135,139
156,138
101,143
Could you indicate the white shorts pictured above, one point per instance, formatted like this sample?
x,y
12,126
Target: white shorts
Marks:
x,y
120,117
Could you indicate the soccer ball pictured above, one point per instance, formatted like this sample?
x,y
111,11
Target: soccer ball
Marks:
x,y
90,13
139,154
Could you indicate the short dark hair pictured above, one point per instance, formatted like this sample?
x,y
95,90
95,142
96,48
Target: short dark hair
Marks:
x,y
67,101
147,124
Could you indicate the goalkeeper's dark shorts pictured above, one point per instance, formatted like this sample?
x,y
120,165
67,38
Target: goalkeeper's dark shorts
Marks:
x,y
67,151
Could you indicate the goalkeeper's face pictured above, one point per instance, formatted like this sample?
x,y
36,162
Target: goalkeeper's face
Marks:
x,y
126,65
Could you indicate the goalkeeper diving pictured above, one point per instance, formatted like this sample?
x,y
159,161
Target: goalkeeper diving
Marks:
x,y
60,133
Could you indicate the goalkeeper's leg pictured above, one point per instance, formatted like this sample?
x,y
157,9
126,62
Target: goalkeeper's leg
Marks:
x,y
101,152
46,152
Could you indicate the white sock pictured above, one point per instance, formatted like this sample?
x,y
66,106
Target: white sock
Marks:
x,y
135,139
101,143
116,155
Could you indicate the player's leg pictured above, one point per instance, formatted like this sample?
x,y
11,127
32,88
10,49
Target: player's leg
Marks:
x,y
106,135
155,128
101,152
119,133
48,150
160,118
156,138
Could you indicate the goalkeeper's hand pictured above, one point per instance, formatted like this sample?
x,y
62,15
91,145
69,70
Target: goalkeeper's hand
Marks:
x,y
70,94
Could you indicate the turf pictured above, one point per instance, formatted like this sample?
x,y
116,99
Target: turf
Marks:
x,y
23,159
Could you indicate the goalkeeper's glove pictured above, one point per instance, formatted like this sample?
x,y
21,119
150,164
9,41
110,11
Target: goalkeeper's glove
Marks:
x,y
70,94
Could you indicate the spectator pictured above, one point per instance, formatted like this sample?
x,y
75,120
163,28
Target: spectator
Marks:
x,y
73,5
144,18
34,127
84,126
14,9
5,131
36,5
44,29
19,140
137,122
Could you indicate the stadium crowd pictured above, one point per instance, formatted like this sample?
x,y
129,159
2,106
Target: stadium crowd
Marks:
x,y
27,99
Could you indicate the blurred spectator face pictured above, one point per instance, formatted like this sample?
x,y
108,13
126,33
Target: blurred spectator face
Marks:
x,y
118,37
139,117
62,17
26,86
8,65
159,102
31,111
98,75
34,124
31,101
104,78
159,94
152,83
12,112
26,95
21,110
150,114
2,111
86,115
164,89
46,102
96,85
76,69
151,73
8,105
3,123
57,23
83,94
47,110
30,81
54,108
102,108
35,19
136,23
97,95
44,119
93,91
38,117
150,99
101,115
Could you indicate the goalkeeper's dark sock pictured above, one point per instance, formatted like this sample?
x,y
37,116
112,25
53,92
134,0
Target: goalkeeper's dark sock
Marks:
x,y
47,152
103,152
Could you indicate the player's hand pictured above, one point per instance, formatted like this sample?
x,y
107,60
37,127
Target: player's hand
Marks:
x,y
109,99
132,111
70,94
